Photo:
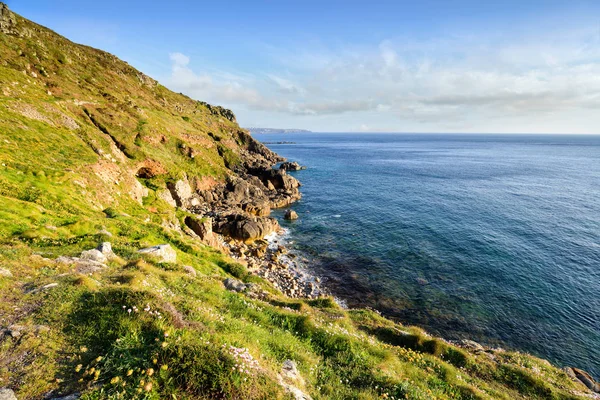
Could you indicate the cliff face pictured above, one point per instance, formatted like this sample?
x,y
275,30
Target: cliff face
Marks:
x,y
121,207
104,133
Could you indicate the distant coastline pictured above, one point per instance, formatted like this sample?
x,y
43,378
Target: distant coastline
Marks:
x,y
276,130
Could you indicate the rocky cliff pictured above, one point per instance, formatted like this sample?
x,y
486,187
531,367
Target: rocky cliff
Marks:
x,y
133,263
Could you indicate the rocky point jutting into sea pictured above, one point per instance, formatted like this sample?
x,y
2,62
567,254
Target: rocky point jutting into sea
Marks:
x,y
139,258
235,216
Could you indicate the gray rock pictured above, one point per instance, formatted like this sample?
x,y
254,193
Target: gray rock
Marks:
x,y
181,192
190,270
8,22
471,345
15,331
234,285
87,267
166,196
291,215
289,378
93,255
67,260
291,166
105,232
6,393
245,227
586,379
6,273
162,253
290,370
106,249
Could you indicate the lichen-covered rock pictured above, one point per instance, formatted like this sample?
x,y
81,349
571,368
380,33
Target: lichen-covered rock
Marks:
x,y
166,196
8,20
471,345
234,285
181,192
93,255
190,270
6,393
161,253
5,273
106,249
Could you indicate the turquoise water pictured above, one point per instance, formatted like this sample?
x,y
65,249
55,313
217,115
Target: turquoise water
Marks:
x,y
494,238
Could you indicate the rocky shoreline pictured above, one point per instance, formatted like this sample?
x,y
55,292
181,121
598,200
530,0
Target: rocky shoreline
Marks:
x,y
234,217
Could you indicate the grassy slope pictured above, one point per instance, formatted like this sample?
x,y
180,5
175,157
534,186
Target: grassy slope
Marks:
x,y
76,124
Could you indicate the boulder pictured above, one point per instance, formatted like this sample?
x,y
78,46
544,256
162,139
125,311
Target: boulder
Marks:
x,y
166,196
290,215
8,23
162,253
190,270
290,379
201,227
204,229
289,370
260,208
291,166
6,273
93,255
245,227
234,285
586,379
6,393
106,249
181,192
471,345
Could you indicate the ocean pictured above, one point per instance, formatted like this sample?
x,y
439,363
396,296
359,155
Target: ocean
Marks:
x,y
495,238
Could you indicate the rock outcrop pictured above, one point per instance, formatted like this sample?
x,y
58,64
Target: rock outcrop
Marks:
x,y
583,377
245,227
240,207
291,166
8,20
290,215
6,393
162,253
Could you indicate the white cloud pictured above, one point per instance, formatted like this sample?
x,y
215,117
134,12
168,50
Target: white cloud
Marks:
x,y
461,83
179,60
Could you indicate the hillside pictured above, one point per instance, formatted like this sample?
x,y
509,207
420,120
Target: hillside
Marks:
x,y
99,161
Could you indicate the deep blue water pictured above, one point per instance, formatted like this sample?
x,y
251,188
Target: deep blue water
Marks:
x,y
494,238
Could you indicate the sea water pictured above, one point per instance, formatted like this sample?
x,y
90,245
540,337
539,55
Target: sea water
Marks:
x,y
495,238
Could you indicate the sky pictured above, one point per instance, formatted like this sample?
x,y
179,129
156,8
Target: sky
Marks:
x,y
480,66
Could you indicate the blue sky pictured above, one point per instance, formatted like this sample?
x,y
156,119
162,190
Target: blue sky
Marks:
x,y
426,66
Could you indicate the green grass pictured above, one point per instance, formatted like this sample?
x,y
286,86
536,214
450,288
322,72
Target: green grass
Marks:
x,y
72,140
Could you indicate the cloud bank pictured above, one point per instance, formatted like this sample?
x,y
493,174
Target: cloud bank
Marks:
x,y
546,83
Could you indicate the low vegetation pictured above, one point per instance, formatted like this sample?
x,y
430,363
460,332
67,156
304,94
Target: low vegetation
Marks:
x,y
87,145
